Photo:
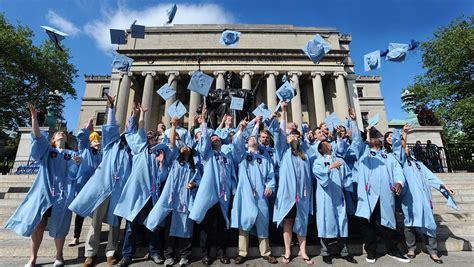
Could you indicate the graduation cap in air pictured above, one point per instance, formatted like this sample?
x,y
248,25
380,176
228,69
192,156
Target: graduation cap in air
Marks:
x,y
230,38
285,92
138,31
397,52
177,110
374,120
413,45
372,61
332,121
171,12
200,83
55,36
316,48
237,103
262,110
166,91
122,63
117,36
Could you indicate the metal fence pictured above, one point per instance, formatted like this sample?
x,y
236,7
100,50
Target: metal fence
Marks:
x,y
451,158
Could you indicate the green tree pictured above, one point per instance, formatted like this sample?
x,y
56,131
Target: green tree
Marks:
x,y
30,73
447,87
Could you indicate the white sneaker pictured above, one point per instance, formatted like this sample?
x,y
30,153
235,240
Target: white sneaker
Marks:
x,y
399,257
58,263
29,265
370,260
169,262
183,261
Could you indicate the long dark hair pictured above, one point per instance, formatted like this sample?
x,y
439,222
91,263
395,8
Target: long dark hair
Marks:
x,y
386,145
192,165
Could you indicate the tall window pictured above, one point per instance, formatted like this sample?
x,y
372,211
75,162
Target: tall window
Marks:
x,y
360,91
105,90
365,118
100,120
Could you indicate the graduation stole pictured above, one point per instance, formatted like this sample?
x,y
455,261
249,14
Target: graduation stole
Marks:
x,y
249,158
384,156
222,171
183,204
426,188
53,154
295,170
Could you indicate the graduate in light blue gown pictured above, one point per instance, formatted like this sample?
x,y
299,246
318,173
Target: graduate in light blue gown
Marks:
x,y
332,176
256,183
101,193
91,154
294,196
212,203
416,199
380,178
176,201
45,206
142,190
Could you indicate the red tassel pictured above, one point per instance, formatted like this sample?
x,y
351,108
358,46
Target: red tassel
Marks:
x,y
366,187
297,198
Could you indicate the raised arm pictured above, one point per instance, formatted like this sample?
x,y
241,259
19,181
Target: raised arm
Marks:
x,y
239,143
83,135
174,121
111,111
34,121
141,120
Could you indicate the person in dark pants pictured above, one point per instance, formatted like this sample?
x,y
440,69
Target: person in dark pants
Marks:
x,y
214,232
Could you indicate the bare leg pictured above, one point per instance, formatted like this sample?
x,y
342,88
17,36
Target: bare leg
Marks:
x,y
302,241
36,239
287,234
59,242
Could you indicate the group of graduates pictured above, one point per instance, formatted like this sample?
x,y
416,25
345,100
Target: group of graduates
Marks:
x,y
264,171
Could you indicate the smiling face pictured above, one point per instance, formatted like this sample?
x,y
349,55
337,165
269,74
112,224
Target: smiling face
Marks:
x,y
252,142
324,128
151,137
95,145
319,135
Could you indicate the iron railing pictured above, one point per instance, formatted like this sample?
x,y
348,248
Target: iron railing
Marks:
x,y
451,158
24,167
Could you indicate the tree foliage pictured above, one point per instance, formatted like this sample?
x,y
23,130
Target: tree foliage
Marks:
x,y
447,87
30,73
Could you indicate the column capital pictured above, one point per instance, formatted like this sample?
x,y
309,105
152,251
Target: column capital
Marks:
x,y
175,73
271,72
152,73
337,73
297,73
219,72
249,72
316,73
129,74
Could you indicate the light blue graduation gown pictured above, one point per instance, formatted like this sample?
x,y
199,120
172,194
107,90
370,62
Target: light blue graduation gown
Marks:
x,y
108,179
416,199
294,184
331,218
250,209
145,178
52,188
90,159
218,181
377,174
177,199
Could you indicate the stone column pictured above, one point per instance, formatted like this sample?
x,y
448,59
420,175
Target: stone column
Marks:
x,y
246,79
220,82
122,100
173,83
271,89
318,93
194,101
297,115
341,95
147,97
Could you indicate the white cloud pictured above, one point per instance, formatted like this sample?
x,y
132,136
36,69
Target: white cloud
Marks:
x,y
123,17
61,23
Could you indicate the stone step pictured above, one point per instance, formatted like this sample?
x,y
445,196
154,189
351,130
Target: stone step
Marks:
x,y
454,217
437,198
20,248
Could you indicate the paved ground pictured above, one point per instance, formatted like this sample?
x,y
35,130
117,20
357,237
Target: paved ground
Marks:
x,y
458,259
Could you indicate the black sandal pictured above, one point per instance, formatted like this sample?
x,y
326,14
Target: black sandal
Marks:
x,y
288,260
308,261
438,261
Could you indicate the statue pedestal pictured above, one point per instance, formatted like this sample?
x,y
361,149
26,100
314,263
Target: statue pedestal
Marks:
x,y
24,147
424,133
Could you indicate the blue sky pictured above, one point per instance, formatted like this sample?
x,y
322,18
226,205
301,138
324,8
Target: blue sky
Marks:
x,y
372,23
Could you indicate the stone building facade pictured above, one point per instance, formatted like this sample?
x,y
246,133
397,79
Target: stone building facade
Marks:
x,y
265,53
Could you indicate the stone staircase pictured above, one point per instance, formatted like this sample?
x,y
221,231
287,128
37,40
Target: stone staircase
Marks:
x,y
455,229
